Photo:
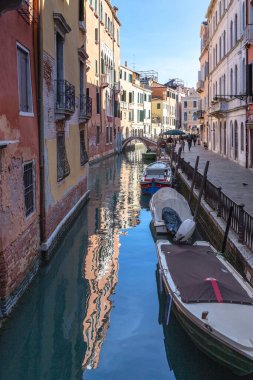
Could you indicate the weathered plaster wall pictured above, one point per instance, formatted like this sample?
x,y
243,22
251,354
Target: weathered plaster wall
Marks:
x,y
62,196
19,235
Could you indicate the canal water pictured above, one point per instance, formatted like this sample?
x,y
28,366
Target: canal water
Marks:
x,y
94,312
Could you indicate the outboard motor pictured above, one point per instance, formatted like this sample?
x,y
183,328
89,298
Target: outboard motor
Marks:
x,y
185,231
171,219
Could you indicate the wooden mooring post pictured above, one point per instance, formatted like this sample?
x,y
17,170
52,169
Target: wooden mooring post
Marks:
x,y
227,230
201,190
193,179
178,158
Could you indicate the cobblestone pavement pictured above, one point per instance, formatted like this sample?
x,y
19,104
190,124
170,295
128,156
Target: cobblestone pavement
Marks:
x,y
235,180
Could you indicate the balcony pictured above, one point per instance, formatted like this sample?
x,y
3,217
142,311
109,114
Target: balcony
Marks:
x,y
200,114
117,87
9,5
65,99
104,80
248,35
85,108
200,86
124,105
218,108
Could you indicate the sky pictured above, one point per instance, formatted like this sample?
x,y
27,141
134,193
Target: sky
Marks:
x,y
162,35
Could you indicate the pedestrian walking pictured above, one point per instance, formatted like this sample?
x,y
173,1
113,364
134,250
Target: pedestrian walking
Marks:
x,y
182,143
194,139
189,142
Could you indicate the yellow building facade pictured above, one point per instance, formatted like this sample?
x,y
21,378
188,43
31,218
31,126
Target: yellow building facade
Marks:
x,y
65,112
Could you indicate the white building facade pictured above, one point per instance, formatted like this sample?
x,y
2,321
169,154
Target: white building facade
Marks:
x,y
227,79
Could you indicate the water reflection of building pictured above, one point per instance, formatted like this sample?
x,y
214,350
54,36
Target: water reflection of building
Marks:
x,y
101,264
114,205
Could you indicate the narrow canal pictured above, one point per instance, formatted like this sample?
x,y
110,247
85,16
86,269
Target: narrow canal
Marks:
x,y
93,313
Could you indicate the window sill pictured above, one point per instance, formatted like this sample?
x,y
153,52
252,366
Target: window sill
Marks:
x,y
26,114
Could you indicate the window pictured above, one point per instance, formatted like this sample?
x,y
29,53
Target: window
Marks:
x,y
185,116
81,10
96,67
83,152
224,43
158,106
124,75
29,187
63,168
185,104
96,35
236,80
24,80
194,104
110,134
231,34
98,135
236,27
98,100
107,136
242,136
231,82
130,78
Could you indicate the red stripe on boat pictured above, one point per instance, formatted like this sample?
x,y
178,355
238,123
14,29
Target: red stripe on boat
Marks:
x,y
216,289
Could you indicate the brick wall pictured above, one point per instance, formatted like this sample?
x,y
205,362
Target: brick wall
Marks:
x,y
18,264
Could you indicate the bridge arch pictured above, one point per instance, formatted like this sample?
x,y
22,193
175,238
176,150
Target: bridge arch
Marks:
x,y
146,141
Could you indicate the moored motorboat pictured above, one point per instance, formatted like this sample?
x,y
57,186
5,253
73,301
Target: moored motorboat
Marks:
x,y
171,214
211,300
156,175
149,155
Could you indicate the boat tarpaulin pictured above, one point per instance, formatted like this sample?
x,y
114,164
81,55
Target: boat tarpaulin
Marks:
x,y
201,277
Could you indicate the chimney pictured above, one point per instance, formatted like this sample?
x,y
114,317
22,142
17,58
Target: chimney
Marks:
x,y
125,63
115,10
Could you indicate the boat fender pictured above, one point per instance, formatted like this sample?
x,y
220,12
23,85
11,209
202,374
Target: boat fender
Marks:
x,y
168,308
160,282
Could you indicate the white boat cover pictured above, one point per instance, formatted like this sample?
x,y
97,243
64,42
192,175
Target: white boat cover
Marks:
x,y
168,197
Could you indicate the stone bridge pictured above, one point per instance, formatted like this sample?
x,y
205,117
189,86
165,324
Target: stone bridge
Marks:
x,y
145,140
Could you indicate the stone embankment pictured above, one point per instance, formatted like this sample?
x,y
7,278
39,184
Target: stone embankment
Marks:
x,y
228,184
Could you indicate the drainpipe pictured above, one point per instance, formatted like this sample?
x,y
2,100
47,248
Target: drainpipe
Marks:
x,y
246,76
41,122
99,71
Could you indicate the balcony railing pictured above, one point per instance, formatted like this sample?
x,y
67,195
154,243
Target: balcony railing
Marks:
x,y
200,114
65,97
85,107
117,87
200,86
104,80
218,108
248,35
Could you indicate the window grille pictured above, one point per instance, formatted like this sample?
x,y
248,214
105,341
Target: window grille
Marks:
x,y
83,153
29,188
63,168
98,135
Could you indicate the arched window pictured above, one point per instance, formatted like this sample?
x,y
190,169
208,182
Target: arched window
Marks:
x,y
232,133
231,82
220,51
243,76
224,43
242,136
243,16
236,28
216,54
231,34
225,139
224,84
236,80
224,5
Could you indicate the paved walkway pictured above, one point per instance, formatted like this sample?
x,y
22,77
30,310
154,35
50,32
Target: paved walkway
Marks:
x,y
235,180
